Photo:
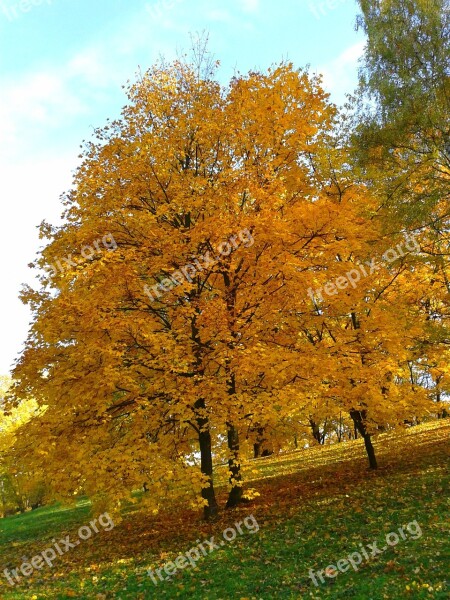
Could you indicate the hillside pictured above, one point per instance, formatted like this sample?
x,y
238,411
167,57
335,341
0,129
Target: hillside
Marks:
x,y
314,508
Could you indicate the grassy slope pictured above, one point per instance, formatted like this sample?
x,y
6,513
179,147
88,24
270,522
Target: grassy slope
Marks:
x,y
315,507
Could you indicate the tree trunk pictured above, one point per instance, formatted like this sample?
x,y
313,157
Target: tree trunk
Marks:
x,y
261,447
339,429
370,451
358,419
316,432
258,445
256,449
3,497
211,510
234,467
443,414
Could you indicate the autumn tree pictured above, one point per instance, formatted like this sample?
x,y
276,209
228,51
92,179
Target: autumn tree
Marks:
x,y
198,235
160,334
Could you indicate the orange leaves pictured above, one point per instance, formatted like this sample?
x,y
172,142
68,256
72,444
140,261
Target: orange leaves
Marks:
x,y
129,381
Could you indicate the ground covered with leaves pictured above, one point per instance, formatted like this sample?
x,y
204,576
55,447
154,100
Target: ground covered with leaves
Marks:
x,y
314,508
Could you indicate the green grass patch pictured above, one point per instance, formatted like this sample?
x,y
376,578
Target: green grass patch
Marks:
x,y
315,508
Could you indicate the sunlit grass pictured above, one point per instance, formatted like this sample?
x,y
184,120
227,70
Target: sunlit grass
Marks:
x,y
314,508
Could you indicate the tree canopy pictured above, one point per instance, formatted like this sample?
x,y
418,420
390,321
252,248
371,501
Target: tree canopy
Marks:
x,y
245,283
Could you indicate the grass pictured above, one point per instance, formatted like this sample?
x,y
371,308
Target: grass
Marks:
x,y
315,507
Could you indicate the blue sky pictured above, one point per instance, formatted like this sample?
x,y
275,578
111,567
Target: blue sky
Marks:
x,y
62,65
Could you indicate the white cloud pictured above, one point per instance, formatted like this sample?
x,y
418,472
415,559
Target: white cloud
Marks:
x,y
36,102
59,95
340,74
249,6
219,15
42,112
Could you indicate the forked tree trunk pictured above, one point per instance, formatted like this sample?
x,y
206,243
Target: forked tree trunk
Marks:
x,y
358,420
234,467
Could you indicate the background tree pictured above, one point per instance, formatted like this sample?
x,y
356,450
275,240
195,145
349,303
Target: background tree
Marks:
x,y
402,142
20,488
404,99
